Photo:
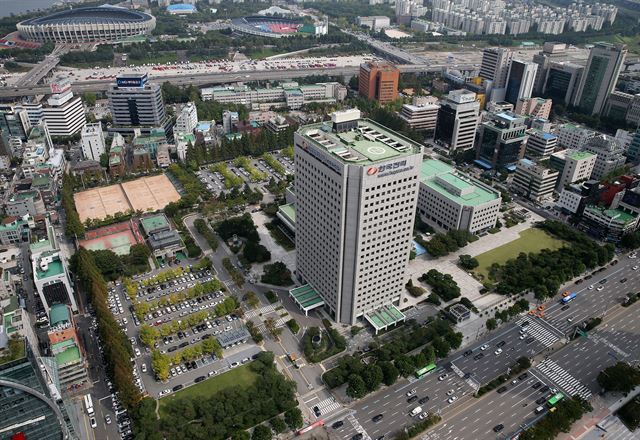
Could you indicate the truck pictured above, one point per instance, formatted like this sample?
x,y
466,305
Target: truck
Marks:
x,y
415,411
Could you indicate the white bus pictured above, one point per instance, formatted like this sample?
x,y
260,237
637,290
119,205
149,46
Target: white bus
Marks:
x,y
88,403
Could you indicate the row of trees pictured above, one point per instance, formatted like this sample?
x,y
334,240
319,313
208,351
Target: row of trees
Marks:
x,y
520,306
115,348
161,363
73,227
442,285
566,413
204,230
113,266
544,272
145,307
391,358
233,409
443,244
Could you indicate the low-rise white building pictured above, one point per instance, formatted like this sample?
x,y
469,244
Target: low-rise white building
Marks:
x,y
420,117
533,180
450,200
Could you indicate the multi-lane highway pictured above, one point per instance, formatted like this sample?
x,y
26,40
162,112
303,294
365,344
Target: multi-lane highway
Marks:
x,y
570,367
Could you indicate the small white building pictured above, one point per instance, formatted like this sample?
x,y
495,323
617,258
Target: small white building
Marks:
x,y
187,119
92,140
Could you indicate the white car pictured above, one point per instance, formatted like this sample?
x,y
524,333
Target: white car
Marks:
x,y
591,287
498,351
411,392
635,268
143,367
600,288
137,352
423,415
484,347
452,399
450,392
443,376
92,420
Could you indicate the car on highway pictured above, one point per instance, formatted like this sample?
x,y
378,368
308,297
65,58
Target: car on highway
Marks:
x,y
450,392
634,268
536,385
411,392
443,377
498,428
337,424
563,308
502,390
544,389
424,415
467,353
377,418
199,379
523,376
177,387
541,400
107,419
358,436
600,288
591,287
501,344
412,399
570,319
498,351
539,409
624,280
484,347
478,356
452,399
93,422
316,411
423,400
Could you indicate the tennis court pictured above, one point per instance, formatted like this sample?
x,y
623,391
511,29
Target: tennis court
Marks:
x,y
118,238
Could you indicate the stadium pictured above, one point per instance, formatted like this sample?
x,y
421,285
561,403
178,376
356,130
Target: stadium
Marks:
x,y
274,27
87,25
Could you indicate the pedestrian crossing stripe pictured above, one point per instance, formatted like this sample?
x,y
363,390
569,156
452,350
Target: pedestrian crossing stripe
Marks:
x,y
358,427
262,310
328,405
538,331
563,379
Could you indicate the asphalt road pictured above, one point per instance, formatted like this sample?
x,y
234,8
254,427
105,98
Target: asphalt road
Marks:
x,y
572,368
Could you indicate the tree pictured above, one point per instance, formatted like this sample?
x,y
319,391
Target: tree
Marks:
x,y
278,425
261,432
254,252
251,299
492,324
441,347
240,435
429,354
277,274
404,365
389,373
620,377
293,418
372,377
89,98
356,387
148,335
467,262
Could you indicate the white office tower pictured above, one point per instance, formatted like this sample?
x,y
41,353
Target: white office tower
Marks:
x,y
458,120
356,191
420,117
64,113
520,81
600,77
229,120
187,120
495,66
92,139
610,155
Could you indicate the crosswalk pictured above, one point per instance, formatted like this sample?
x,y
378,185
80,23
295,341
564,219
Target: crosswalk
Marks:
x,y
545,336
328,405
563,379
262,310
358,427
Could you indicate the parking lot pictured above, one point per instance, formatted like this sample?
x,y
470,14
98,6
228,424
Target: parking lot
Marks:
x,y
215,182
170,301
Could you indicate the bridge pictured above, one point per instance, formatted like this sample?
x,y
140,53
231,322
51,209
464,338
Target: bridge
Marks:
x,y
204,79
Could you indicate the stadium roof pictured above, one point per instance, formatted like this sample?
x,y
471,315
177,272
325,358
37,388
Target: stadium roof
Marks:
x,y
91,15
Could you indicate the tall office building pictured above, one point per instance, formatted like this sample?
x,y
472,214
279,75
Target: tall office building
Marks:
x,y
495,65
600,76
137,103
502,141
540,144
92,140
378,81
573,165
520,80
458,120
64,113
356,191
562,81
187,119
551,51
420,117
610,155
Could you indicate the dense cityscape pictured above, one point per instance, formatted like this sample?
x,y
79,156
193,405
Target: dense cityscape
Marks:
x,y
345,220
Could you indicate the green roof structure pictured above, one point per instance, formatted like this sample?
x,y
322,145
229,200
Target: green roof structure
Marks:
x,y
288,211
153,223
444,179
306,297
579,155
69,355
59,313
384,317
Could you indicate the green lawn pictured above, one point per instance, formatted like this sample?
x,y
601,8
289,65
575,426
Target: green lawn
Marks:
x,y
241,375
531,240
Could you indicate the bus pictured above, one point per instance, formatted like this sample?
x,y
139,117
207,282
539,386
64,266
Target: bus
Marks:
x,y
88,403
426,370
569,298
555,399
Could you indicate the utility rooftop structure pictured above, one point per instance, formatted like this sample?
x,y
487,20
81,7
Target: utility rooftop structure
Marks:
x,y
356,190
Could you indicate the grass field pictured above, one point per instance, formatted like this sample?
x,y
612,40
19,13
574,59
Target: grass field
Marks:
x,y
531,240
242,376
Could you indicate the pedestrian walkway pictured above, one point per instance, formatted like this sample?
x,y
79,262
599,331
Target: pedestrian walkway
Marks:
x,y
358,427
328,406
545,336
566,382
262,310
281,322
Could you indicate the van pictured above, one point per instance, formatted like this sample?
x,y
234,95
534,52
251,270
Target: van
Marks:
x,y
415,411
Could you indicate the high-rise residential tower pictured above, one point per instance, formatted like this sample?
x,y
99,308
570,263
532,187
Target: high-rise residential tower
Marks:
x,y
599,77
356,191
458,120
